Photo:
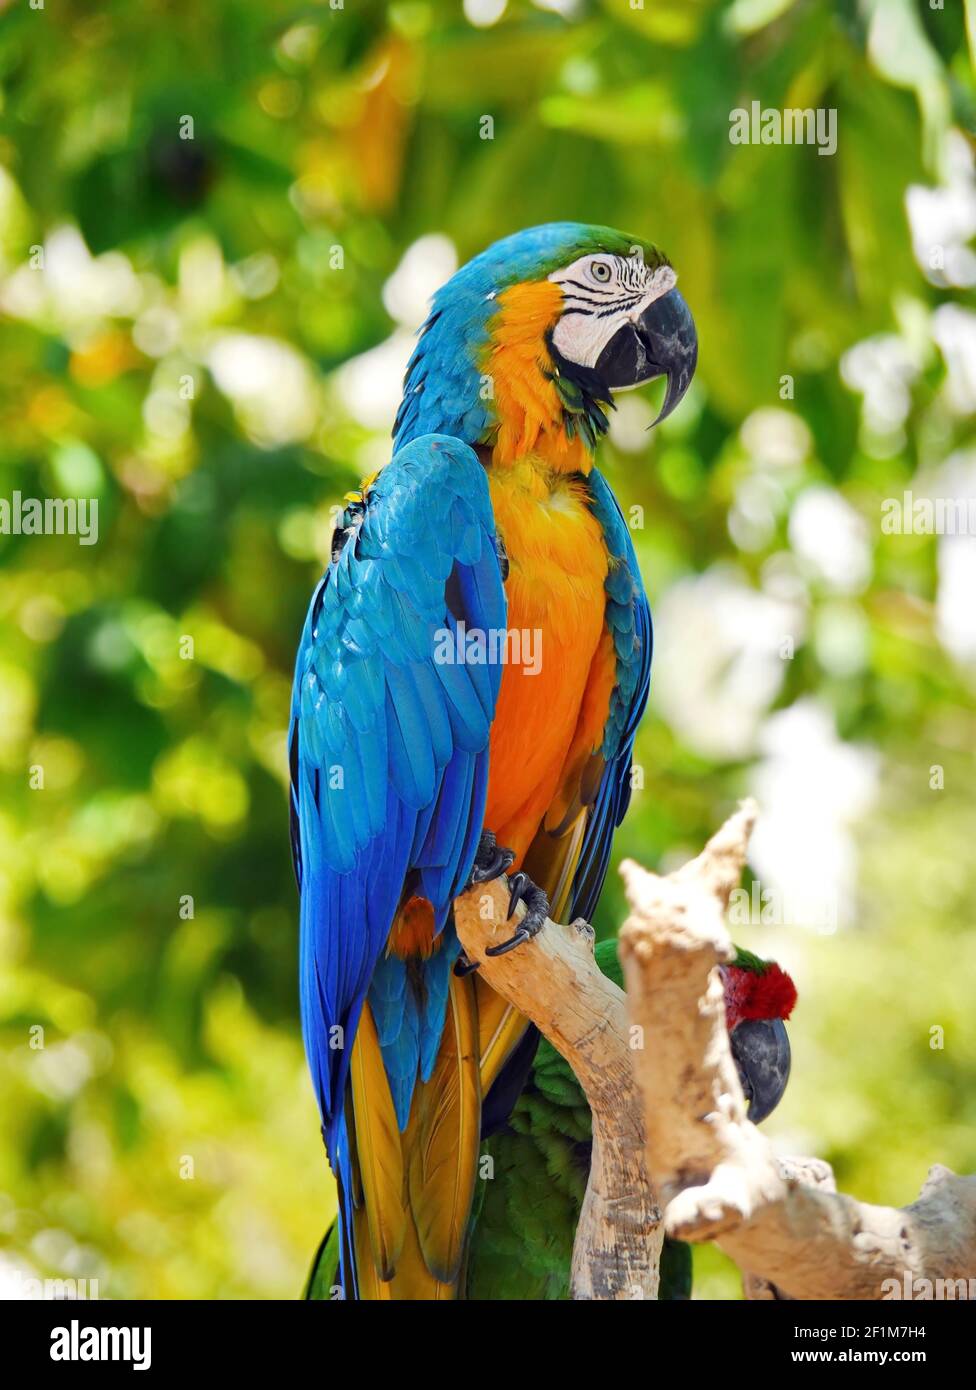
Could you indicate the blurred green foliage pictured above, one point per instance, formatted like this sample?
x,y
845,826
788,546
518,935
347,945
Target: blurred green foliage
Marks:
x,y
176,316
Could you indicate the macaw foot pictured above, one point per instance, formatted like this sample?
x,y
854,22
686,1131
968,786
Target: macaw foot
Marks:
x,y
523,890
491,860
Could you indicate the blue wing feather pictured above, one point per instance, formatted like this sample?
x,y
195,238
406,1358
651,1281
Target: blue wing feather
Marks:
x,y
389,758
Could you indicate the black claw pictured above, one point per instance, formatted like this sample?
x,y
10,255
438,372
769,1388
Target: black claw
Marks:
x,y
537,910
463,966
519,884
509,945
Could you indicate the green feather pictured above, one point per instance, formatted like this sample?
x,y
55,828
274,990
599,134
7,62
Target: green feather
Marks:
x,y
745,960
323,1276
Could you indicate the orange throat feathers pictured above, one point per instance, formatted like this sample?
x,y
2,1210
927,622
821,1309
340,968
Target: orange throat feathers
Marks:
x,y
530,414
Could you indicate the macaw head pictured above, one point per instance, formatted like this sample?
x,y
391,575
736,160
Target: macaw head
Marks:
x,y
526,345
759,997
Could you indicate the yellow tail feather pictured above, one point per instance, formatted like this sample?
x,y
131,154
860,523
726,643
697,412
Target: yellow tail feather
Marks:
x,y
445,1135
415,1189
372,1289
378,1150
413,1281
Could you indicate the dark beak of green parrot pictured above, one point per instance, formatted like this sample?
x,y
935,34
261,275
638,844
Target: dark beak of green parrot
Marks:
x,y
662,342
761,1051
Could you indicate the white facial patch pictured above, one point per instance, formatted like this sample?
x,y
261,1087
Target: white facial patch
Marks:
x,y
601,293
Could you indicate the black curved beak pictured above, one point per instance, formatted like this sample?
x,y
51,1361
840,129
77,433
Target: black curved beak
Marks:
x,y
662,342
761,1049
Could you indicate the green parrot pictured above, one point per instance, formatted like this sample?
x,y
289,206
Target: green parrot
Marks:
x,y
524,1220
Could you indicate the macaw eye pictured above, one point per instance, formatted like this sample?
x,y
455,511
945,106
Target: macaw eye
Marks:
x,y
600,272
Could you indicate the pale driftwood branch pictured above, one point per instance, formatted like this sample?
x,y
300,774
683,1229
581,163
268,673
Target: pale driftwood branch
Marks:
x,y
717,1175
815,1173
669,1115
556,983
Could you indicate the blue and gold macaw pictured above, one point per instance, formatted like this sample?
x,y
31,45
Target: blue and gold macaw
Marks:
x,y
467,689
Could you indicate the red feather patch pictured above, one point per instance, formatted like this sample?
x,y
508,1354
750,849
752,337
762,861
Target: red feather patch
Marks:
x,y
751,995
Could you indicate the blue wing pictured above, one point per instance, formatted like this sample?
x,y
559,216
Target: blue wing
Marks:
x,y
629,616
389,747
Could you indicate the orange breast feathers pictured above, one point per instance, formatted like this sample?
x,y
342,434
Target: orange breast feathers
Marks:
x,y
556,684
526,401
559,668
